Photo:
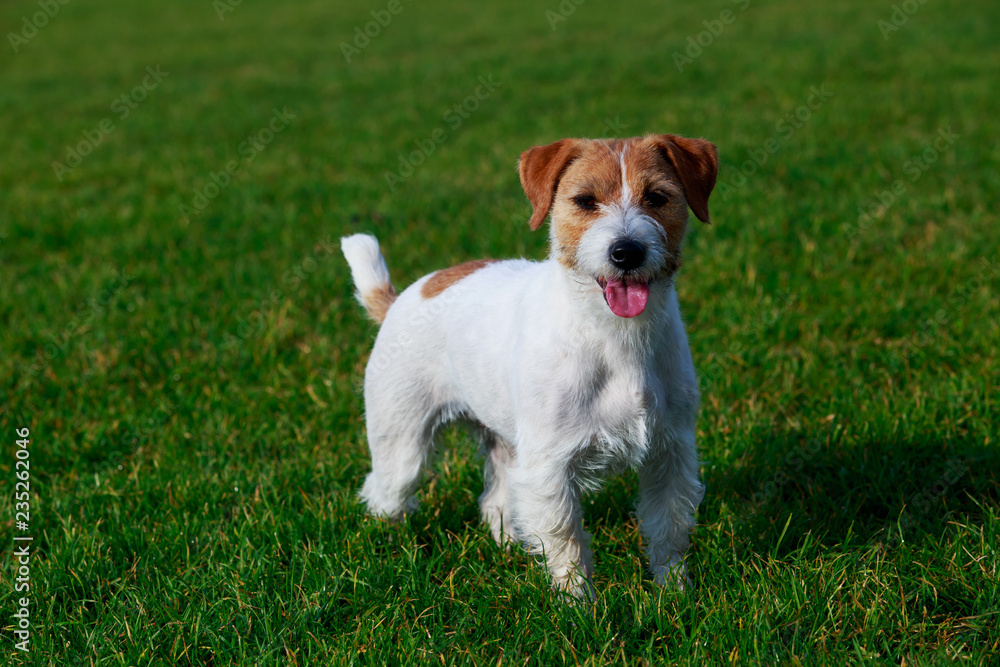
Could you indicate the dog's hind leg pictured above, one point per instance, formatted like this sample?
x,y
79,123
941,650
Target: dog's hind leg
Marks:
x,y
400,437
493,503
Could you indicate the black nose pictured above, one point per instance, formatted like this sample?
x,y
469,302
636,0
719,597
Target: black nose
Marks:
x,y
627,255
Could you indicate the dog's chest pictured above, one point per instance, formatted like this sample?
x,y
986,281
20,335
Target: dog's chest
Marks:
x,y
616,420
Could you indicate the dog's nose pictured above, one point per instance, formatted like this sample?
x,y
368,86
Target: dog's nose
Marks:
x,y
627,255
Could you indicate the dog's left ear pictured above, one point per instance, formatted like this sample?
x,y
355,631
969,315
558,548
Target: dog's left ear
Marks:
x,y
697,165
540,168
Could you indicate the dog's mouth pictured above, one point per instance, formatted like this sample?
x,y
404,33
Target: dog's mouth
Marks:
x,y
625,296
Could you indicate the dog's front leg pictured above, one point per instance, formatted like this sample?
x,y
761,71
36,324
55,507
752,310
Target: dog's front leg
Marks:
x,y
669,494
548,519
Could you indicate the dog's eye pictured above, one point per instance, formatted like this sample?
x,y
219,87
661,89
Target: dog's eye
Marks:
x,y
656,199
586,202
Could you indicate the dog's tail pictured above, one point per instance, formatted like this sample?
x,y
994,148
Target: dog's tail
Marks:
x,y
371,276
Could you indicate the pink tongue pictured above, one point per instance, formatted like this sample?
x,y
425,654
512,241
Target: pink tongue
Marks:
x,y
626,299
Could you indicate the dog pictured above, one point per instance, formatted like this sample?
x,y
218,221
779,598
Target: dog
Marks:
x,y
571,369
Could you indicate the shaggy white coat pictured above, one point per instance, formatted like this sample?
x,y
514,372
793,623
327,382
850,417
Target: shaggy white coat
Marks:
x,y
565,393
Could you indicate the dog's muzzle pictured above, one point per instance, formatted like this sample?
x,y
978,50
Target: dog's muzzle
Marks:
x,y
626,295
627,255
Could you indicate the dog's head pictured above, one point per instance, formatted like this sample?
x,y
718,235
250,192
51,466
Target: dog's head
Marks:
x,y
619,207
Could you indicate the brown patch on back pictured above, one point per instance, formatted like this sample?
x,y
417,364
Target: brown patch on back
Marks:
x,y
378,300
445,278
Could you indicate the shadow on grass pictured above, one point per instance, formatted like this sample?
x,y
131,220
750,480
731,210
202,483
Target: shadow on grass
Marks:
x,y
874,492
870,493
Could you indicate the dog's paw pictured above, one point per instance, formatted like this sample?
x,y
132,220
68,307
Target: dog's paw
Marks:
x,y
574,588
505,541
500,530
673,576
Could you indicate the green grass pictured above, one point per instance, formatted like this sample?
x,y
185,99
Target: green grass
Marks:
x,y
197,431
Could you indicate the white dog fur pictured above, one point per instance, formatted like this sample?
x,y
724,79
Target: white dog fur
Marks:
x,y
564,390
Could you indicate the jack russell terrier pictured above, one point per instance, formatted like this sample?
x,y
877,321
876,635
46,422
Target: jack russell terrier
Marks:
x,y
572,369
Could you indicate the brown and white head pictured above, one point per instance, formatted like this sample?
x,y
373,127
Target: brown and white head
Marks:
x,y
619,207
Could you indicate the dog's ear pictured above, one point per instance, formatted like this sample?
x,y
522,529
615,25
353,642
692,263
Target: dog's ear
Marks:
x,y
697,165
540,168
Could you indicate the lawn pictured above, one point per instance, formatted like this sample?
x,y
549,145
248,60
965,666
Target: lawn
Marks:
x,y
179,338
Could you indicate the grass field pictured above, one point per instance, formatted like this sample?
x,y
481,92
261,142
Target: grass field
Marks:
x,y
178,333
